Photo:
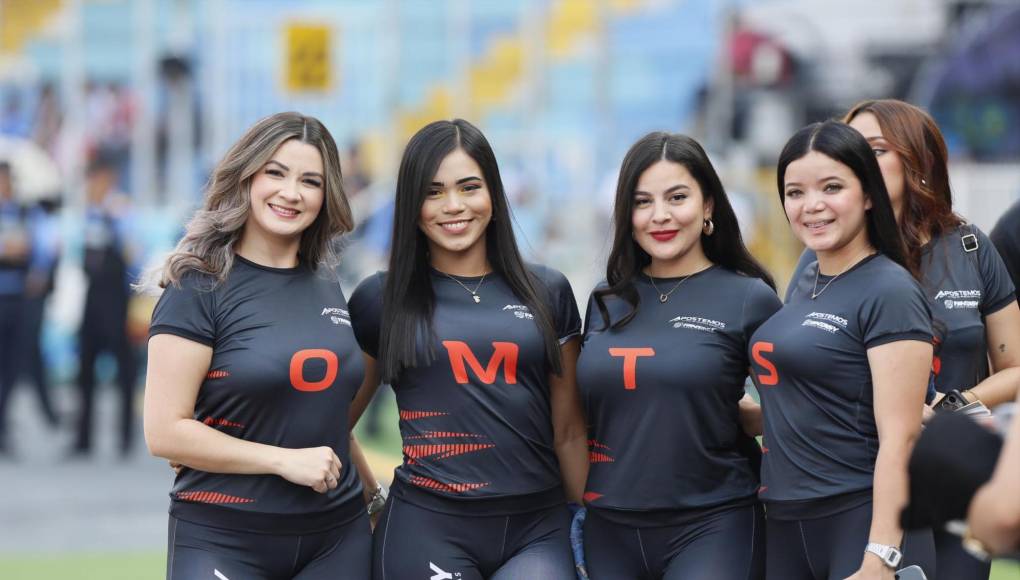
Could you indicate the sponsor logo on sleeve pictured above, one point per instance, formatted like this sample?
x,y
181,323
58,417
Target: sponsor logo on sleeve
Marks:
x,y
830,323
956,299
337,316
697,323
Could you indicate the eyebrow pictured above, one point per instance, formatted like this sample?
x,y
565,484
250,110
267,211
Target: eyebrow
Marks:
x,y
673,189
305,174
876,138
285,168
460,181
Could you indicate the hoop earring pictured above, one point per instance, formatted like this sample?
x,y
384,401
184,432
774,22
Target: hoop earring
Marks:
x,y
709,227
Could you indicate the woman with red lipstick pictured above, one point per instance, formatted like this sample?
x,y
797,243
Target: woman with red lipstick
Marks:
x,y
252,368
842,371
662,371
966,281
480,350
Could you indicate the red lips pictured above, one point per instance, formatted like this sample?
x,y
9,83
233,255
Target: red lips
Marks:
x,y
664,235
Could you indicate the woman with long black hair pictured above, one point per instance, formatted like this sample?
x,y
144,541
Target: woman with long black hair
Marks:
x,y
671,492
964,278
842,370
480,349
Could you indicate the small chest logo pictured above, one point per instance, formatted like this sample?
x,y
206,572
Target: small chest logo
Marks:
x,y
697,323
955,299
824,321
520,311
337,316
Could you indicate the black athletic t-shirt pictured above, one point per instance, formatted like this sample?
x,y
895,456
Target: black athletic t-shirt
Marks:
x,y
285,367
963,287
661,396
811,365
1006,237
476,422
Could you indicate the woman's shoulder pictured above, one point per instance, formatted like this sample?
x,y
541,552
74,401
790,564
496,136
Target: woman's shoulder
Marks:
x,y
883,276
371,287
192,281
549,276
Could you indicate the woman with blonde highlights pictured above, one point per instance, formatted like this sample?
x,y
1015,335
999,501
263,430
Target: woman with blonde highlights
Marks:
x,y
253,366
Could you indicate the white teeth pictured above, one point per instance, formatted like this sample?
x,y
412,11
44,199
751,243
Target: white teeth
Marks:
x,y
284,210
455,226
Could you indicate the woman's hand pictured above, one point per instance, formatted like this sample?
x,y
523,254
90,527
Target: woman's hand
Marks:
x,y
314,467
873,569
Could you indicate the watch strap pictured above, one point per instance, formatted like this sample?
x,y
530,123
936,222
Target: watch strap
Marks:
x,y
890,555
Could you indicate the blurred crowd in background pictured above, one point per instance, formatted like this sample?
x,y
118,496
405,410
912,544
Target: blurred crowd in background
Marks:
x,y
113,113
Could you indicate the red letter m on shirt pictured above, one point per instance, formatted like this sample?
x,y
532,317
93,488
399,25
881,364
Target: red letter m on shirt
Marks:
x,y
461,357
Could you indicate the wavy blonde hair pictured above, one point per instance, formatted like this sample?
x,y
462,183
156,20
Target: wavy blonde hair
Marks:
x,y
208,243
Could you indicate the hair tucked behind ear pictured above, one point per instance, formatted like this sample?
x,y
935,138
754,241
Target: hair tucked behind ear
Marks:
x,y
927,198
724,247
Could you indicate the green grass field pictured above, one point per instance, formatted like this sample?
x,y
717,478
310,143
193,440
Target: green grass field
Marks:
x,y
152,566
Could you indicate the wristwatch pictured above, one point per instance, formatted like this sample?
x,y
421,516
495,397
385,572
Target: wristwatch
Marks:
x,y
890,555
378,500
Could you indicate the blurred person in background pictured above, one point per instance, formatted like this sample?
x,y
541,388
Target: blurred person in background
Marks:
x,y
662,371
480,349
993,518
28,250
104,322
253,366
842,370
1006,237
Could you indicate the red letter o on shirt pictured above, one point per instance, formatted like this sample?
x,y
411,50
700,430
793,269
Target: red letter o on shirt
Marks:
x,y
297,367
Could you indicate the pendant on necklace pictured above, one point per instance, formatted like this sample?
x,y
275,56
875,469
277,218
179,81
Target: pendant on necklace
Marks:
x,y
477,298
663,298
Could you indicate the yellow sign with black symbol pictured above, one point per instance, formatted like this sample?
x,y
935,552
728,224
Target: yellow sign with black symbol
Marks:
x,y
309,65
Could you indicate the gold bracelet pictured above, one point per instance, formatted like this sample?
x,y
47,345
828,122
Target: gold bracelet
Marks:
x,y
974,546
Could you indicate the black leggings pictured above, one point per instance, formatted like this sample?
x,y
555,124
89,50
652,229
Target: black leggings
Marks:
x,y
414,542
729,545
832,547
198,551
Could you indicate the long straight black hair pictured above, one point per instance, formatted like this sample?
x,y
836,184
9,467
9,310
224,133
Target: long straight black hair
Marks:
x,y
724,247
844,144
408,297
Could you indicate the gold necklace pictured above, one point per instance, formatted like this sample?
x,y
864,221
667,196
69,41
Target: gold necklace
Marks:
x,y
474,293
815,292
663,297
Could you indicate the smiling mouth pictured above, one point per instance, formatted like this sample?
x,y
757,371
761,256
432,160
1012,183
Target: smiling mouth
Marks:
x,y
816,226
455,227
665,235
284,212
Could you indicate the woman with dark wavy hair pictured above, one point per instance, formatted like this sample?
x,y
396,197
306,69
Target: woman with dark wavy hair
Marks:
x,y
968,285
252,368
480,350
671,492
842,371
